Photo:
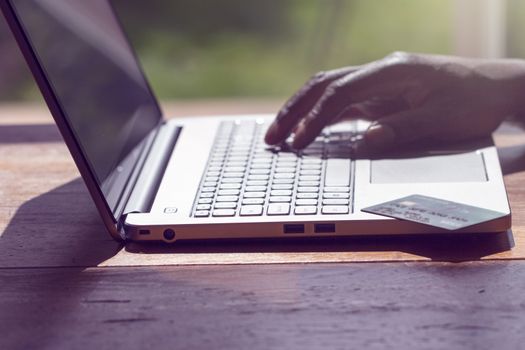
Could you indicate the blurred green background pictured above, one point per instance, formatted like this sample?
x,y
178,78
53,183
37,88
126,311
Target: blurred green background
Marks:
x,y
253,48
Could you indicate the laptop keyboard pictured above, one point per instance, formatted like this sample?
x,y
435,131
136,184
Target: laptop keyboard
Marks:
x,y
246,177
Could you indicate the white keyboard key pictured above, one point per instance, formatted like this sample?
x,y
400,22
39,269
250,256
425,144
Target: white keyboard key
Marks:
x,y
230,186
202,213
333,209
281,193
258,177
256,183
207,195
307,189
227,198
235,175
278,209
305,210
283,181
306,202
249,201
309,178
337,189
259,171
254,194
335,201
307,195
310,172
251,210
203,207
284,176
336,195
205,201
225,205
284,170
232,180
228,192
223,212
280,199
255,188
282,187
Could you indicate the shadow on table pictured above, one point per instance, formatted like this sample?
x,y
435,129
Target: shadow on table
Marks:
x,y
58,228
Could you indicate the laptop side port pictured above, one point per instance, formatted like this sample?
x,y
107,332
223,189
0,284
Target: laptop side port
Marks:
x,y
293,228
144,232
324,228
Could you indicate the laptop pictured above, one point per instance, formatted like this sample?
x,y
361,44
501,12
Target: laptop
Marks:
x,y
213,177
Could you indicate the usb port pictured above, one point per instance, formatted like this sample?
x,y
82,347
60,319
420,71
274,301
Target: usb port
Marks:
x,y
324,228
144,232
293,228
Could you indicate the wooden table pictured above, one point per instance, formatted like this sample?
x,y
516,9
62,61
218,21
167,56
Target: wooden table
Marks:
x,y
65,284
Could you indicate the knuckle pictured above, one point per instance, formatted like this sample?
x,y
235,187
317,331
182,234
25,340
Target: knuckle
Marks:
x,y
317,78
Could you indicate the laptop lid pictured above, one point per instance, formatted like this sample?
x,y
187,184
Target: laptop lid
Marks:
x,y
94,87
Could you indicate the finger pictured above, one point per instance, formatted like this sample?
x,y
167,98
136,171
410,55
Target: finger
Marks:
x,y
383,81
301,103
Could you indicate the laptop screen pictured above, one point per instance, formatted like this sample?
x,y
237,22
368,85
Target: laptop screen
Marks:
x,y
96,78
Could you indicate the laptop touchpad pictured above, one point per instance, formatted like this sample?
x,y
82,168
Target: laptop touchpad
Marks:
x,y
463,167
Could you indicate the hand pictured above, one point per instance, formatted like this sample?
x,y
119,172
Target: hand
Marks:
x,y
409,97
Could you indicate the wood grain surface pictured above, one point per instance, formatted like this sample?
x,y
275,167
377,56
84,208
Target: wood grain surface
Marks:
x,y
46,209
313,306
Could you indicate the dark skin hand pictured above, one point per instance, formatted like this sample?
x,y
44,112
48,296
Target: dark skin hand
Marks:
x,y
410,98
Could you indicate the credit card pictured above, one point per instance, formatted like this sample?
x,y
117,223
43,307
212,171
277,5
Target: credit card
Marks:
x,y
434,212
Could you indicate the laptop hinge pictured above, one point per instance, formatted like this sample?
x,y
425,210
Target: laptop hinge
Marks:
x,y
146,185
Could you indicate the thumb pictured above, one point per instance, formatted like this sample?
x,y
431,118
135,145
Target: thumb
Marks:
x,y
397,129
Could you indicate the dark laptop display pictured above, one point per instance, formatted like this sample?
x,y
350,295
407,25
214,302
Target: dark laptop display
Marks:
x,y
95,76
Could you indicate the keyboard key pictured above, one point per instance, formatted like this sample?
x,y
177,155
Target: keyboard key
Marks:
x,y
203,207
228,192
215,168
336,195
230,186
251,210
223,212
225,205
232,180
284,176
253,201
282,187
284,170
308,189
235,169
211,179
305,210
205,201
308,160
256,183
202,213
278,209
337,189
281,193
280,199
209,184
208,189
283,181
254,194
306,202
258,177
259,171
310,172
311,167
227,198
309,178
309,183
307,195
333,209
236,164
213,173
207,195
255,188
337,172
335,201
261,166
236,175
